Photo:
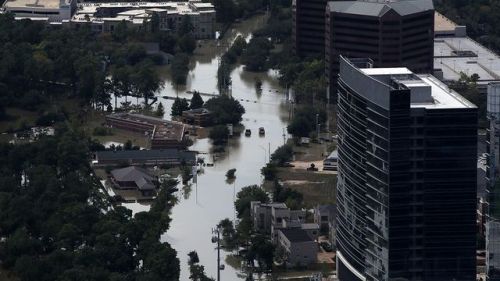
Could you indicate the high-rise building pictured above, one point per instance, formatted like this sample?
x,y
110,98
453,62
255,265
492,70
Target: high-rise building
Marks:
x,y
309,27
492,188
406,191
391,33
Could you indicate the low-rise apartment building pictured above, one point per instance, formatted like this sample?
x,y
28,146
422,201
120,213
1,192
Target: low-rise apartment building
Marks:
x,y
52,11
104,17
298,247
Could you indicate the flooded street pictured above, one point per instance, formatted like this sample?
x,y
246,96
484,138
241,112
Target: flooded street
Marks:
x,y
201,206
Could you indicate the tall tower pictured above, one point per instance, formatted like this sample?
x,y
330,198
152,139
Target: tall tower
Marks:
x,y
406,190
492,188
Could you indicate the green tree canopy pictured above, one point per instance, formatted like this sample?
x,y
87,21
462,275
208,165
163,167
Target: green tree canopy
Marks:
x,y
179,106
246,195
196,101
226,110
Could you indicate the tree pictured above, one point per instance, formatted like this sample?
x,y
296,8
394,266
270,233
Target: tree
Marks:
x,y
282,155
256,53
219,134
160,110
304,120
146,82
230,174
245,196
186,26
179,68
193,258
187,43
179,106
263,250
223,76
196,101
299,127
225,10
197,271
226,110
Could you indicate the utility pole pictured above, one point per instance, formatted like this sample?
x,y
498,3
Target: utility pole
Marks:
x,y
216,239
269,151
317,126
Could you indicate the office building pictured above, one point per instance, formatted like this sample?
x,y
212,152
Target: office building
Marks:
x,y
492,234
309,27
406,192
391,33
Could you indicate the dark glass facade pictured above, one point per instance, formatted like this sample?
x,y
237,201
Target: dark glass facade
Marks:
x,y
390,38
406,191
309,27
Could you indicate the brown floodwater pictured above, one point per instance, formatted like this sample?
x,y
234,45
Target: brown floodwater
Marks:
x,y
201,206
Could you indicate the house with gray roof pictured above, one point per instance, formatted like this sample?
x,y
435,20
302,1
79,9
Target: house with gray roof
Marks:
x,y
134,178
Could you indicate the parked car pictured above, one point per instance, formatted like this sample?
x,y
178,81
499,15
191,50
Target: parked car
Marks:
x,y
248,132
262,131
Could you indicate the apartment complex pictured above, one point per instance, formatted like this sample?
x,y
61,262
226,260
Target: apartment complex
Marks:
x,y
406,192
53,11
104,17
391,33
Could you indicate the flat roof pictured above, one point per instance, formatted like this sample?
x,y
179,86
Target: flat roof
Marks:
x,y
386,71
145,154
454,55
426,90
296,235
50,4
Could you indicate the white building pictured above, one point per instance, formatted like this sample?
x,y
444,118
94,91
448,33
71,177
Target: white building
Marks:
x,y
104,17
53,11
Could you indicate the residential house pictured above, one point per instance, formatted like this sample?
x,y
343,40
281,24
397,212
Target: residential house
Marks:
x,y
134,178
298,247
322,216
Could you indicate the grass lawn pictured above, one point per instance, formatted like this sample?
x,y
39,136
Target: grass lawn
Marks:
x,y
316,187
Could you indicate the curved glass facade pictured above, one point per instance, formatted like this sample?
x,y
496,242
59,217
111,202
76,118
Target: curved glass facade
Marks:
x,y
397,167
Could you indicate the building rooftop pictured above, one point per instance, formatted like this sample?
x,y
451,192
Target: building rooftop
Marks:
x,y
327,209
184,8
51,4
426,90
162,129
296,235
145,154
380,7
141,177
306,226
453,55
